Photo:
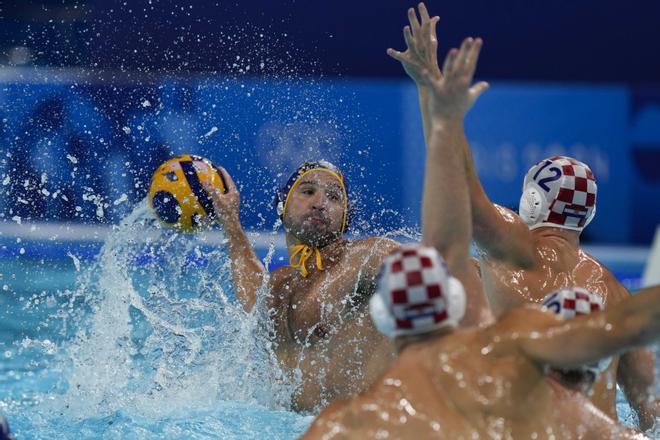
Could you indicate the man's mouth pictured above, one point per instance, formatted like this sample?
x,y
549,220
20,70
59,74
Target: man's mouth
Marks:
x,y
316,220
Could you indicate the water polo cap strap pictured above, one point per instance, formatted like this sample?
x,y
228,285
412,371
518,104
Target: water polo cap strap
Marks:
x,y
303,252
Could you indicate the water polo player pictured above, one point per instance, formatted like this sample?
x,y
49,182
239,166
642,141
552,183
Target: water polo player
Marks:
x,y
478,382
567,304
319,300
539,251
483,382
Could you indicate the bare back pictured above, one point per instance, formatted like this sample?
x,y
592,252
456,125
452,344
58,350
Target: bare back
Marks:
x,y
560,264
469,384
323,326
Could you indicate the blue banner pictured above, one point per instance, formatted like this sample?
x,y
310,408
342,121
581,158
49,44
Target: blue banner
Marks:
x,y
85,152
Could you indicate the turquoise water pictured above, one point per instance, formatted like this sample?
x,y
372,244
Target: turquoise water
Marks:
x,y
139,337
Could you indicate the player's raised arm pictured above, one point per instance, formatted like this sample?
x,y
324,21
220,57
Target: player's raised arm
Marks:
x,y
247,271
445,209
446,222
498,231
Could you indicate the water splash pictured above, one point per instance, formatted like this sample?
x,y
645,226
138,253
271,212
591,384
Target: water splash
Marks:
x,y
158,333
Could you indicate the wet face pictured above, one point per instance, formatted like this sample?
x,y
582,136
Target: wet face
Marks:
x,y
315,209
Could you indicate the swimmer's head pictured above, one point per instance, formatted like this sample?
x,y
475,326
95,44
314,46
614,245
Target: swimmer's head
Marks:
x,y
314,205
558,192
415,293
569,303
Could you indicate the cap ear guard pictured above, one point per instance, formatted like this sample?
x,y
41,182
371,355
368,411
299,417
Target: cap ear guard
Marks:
x,y
531,206
382,317
457,302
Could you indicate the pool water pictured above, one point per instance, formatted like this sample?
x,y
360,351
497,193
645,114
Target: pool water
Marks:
x,y
143,341
138,338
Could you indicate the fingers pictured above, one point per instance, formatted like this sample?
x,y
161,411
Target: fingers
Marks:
x,y
477,90
473,56
463,54
434,41
227,180
414,23
450,60
209,188
465,63
399,56
408,37
423,13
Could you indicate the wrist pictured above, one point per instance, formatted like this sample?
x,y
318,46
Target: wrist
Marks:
x,y
231,224
443,123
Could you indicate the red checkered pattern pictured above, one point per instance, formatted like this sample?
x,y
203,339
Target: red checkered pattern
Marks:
x,y
569,303
415,280
572,195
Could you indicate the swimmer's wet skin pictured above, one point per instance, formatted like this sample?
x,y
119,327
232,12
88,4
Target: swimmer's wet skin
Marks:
x,y
525,257
483,382
567,304
479,382
319,301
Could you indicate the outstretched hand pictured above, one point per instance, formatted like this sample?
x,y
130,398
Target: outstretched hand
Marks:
x,y
420,60
451,87
226,205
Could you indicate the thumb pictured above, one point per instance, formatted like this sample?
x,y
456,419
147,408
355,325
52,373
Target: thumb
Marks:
x,y
477,89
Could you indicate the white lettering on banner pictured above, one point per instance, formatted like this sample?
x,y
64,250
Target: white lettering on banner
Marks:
x,y
507,162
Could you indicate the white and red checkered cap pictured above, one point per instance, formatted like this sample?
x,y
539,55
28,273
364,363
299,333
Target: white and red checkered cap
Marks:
x,y
568,303
559,192
415,293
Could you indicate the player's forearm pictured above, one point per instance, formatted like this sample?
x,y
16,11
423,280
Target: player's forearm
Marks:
x,y
628,325
637,319
636,376
423,95
495,230
445,206
247,271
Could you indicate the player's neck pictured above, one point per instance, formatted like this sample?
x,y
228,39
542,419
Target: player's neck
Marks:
x,y
570,236
330,248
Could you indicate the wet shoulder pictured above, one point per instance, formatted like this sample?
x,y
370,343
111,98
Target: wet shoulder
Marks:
x,y
599,279
376,245
369,252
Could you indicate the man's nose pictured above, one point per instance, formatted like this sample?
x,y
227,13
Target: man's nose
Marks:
x,y
320,201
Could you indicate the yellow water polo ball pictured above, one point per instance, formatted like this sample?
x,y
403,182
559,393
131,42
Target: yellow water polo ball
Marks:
x,y
177,196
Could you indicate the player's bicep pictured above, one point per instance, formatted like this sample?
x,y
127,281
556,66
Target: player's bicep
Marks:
x,y
504,236
572,343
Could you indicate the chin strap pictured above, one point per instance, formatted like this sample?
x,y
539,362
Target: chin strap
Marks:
x,y
303,252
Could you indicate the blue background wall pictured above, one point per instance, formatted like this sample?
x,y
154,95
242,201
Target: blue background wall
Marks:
x,y
85,153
